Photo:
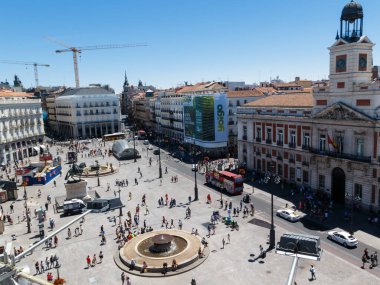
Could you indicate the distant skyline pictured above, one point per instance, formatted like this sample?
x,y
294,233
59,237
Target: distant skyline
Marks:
x,y
193,41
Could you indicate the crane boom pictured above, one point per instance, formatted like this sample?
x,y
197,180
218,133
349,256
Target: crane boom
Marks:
x,y
35,64
76,50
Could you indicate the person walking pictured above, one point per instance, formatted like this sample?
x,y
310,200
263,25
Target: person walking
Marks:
x,y
68,233
88,260
128,281
180,224
122,278
223,242
100,256
312,271
94,260
228,238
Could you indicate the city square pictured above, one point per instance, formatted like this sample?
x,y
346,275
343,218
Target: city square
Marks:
x,y
190,177
234,264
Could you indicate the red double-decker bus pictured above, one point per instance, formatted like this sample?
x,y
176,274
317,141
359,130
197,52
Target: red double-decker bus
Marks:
x,y
226,181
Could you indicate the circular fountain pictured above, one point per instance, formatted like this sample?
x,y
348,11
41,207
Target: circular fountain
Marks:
x,y
159,247
161,243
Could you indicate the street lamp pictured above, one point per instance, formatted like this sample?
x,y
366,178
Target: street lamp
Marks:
x,y
97,174
195,183
159,159
26,209
134,143
121,208
353,199
272,233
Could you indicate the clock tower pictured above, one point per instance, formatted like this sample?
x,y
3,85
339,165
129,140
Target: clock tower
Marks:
x,y
351,54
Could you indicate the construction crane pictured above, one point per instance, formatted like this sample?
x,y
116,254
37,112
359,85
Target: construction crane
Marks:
x,y
76,50
35,65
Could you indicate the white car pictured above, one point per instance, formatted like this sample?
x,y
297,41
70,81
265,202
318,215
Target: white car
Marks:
x,y
342,237
146,142
150,146
289,214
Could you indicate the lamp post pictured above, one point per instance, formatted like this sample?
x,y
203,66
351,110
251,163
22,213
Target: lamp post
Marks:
x,y
97,174
272,232
353,199
159,158
195,183
121,206
26,210
134,143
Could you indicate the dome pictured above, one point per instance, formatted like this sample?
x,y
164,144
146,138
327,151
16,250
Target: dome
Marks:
x,y
352,11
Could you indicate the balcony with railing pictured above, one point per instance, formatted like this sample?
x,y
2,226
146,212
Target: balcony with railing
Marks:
x,y
268,155
258,152
291,160
268,141
306,146
354,157
279,157
292,145
244,137
305,163
258,139
280,143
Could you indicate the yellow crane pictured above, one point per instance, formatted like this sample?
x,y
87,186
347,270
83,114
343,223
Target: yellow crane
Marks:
x,y
76,50
35,65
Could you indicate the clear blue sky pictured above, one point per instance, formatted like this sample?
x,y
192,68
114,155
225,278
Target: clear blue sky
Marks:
x,y
190,40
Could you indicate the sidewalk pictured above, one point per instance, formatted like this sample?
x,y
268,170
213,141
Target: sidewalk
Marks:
x,y
361,227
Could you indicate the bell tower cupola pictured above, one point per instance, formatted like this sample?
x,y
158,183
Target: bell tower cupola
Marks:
x,y
351,22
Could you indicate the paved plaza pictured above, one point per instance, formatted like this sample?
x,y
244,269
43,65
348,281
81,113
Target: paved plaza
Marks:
x,y
235,264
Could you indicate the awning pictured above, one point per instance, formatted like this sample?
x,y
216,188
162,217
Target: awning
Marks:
x,y
43,147
36,148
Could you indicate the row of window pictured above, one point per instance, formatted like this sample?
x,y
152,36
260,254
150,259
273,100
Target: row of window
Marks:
x,y
295,174
337,143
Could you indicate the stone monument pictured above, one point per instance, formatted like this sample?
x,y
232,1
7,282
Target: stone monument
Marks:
x,y
76,187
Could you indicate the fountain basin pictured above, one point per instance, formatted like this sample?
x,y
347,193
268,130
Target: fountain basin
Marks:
x,y
184,249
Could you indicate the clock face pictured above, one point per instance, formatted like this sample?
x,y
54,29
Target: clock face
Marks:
x,y
363,62
341,64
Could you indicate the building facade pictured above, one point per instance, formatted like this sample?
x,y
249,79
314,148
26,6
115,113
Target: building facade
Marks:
x,y
87,113
21,126
328,141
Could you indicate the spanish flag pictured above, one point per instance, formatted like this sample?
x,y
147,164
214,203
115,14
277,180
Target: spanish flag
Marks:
x,y
331,142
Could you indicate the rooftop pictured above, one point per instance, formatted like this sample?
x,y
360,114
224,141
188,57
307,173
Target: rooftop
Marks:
x,y
9,93
86,91
202,87
299,100
244,93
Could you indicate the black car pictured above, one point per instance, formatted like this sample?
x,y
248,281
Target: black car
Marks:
x,y
156,151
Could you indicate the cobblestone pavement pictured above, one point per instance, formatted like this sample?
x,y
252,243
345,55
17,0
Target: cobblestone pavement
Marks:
x,y
231,265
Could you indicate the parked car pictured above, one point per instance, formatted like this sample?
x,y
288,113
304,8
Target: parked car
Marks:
x,y
289,214
150,146
156,151
342,237
146,142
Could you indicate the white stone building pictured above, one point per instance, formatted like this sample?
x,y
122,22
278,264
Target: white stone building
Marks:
x,y
21,126
328,141
87,113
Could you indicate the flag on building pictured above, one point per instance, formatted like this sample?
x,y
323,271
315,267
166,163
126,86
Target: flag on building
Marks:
x,y
330,141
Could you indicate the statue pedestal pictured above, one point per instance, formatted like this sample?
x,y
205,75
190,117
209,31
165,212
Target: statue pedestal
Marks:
x,y
76,189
